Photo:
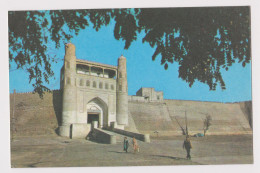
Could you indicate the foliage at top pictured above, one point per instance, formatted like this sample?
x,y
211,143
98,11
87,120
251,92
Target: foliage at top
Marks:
x,y
201,40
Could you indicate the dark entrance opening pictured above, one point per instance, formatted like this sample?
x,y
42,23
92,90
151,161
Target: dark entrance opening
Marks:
x,y
93,117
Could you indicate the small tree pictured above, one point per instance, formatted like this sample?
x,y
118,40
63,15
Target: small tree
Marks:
x,y
207,124
182,129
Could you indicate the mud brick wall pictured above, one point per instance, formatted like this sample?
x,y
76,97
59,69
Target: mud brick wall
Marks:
x,y
36,116
167,117
33,115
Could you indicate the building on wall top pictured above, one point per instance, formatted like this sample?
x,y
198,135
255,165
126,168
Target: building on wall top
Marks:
x,y
92,92
150,94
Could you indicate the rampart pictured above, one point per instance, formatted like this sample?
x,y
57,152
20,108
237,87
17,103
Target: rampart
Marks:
x,y
36,116
168,118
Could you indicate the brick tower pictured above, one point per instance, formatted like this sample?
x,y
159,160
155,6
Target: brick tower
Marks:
x,y
122,93
69,100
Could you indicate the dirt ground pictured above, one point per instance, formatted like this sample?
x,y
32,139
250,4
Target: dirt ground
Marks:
x,y
55,151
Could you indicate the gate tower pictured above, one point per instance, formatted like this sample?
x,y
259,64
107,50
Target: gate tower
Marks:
x,y
122,93
69,99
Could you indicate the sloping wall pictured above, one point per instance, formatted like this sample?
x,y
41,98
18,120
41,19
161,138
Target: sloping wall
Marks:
x,y
150,117
36,116
131,123
246,107
167,117
33,115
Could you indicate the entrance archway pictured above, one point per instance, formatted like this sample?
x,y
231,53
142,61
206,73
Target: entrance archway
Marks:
x,y
97,111
93,117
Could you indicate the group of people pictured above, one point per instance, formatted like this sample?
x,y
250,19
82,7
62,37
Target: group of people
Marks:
x,y
134,142
186,145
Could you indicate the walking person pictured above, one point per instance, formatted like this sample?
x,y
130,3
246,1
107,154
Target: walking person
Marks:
x,y
187,145
126,144
135,146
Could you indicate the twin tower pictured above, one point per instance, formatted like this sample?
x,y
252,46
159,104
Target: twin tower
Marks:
x,y
92,92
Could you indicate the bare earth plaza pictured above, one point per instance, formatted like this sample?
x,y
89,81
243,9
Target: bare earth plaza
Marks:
x,y
130,87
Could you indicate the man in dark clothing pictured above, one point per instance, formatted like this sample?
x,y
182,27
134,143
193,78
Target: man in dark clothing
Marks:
x,y
126,144
187,145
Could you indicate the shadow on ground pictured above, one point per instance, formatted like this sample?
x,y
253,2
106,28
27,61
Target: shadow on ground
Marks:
x,y
169,157
121,152
176,158
34,165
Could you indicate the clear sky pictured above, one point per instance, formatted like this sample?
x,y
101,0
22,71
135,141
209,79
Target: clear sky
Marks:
x,y
102,47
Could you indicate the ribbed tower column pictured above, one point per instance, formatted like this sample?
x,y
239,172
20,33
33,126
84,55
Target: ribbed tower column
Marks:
x,y
122,93
69,100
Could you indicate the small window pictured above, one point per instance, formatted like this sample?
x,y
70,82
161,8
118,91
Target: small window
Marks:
x,y
88,83
158,97
120,87
100,85
112,87
81,82
94,84
120,75
106,86
68,81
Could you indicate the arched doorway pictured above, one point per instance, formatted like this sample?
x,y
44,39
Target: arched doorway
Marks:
x,y
97,111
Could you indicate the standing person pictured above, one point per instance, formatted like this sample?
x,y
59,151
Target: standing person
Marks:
x,y
135,146
187,145
126,144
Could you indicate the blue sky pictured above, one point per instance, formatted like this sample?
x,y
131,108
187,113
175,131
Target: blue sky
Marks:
x,y
102,47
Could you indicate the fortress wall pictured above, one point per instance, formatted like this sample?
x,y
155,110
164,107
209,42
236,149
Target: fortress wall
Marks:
x,y
227,118
246,107
35,116
151,117
131,124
